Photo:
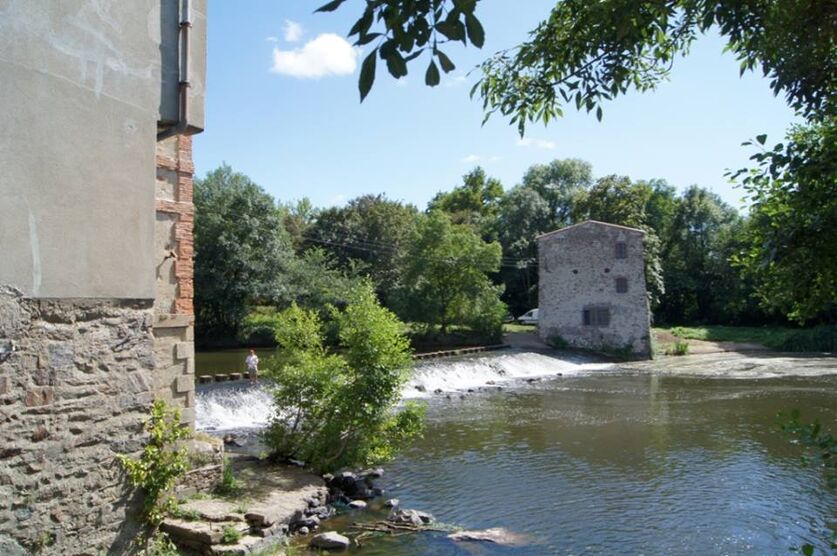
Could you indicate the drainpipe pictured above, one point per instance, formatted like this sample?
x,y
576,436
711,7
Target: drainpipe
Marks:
x,y
184,84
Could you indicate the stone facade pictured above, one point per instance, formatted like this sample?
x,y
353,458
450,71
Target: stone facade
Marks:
x,y
592,288
174,347
76,382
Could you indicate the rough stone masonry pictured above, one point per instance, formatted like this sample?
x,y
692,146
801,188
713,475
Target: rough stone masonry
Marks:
x,y
76,381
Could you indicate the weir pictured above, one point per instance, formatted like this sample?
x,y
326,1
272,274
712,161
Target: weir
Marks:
x,y
236,406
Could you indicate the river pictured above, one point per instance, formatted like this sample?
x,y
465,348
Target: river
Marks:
x,y
676,457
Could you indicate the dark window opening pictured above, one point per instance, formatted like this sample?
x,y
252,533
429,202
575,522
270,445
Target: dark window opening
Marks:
x,y
621,250
621,285
596,316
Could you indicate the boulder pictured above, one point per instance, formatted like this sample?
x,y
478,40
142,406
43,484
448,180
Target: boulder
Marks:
x,y
357,504
330,540
391,503
496,535
303,530
410,517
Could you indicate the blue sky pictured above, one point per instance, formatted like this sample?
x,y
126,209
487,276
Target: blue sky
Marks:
x,y
282,107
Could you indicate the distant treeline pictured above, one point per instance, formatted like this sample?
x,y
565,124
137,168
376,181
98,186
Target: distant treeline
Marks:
x,y
469,259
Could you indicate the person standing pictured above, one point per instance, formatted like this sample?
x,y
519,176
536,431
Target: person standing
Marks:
x,y
252,362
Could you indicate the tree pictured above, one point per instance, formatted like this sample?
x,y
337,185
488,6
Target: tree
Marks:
x,y
791,253
337,410
444,275
698,276
522,215
559,183
369,232
240,249
297,218
474,203
585,53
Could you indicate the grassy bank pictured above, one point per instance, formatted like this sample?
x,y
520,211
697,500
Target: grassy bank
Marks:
x,y
818,338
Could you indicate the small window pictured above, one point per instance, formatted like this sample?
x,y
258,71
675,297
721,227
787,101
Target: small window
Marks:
x,y
621,250
596,316
621,285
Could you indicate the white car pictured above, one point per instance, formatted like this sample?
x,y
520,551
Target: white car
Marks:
x,y
530,317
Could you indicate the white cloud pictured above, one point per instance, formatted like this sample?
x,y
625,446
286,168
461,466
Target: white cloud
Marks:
x,y
272,39
474,158
536,143
292,31
327,54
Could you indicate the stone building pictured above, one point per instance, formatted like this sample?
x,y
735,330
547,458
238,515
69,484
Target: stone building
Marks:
x,y
99,99
592,287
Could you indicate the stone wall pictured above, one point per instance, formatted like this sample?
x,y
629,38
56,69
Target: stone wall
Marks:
x,y
174,346
76,384
578,270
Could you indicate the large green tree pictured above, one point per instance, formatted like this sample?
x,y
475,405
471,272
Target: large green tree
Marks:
x,y
791,250
445,277
370,232
473,203
240,249
700,283
559,183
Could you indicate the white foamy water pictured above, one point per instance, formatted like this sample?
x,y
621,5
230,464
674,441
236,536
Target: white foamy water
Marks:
x,y
221,407
232,407
455,375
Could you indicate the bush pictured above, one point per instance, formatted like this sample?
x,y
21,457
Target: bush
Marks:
x,y
161,464
338,409
230,535
819,338
678,348
229,485
557,342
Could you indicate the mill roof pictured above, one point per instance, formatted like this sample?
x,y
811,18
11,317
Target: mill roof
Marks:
x,y
590,223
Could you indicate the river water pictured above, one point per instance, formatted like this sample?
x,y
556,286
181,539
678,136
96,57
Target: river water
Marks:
x,y
676,457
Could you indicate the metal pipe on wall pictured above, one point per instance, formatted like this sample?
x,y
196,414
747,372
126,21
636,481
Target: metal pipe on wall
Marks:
x,y
184,84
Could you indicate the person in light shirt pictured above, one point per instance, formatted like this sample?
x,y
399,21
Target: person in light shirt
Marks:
x,y
252,362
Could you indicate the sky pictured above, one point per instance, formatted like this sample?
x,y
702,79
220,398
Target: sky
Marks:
x,y
282,107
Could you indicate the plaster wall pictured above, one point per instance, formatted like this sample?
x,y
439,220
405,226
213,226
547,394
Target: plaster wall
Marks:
x,y
578,269
82,86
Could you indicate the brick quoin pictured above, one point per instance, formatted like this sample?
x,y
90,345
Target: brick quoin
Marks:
x,y
184,209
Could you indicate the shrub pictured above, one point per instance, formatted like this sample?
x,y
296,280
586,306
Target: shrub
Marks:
x,y
161,464
678,348
229,485
338,409
230,535
556,341
819,338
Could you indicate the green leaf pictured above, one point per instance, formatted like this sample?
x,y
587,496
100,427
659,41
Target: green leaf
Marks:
x,y
475,31
432,77
599,113
330,7
761,138
445,62
807,549
396,65
367,74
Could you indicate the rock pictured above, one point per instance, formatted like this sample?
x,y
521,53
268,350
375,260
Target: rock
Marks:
x,y
391,503
411,517
330,540
357,504
296,462
377,492
471,390
376,473
322,512
231,440
328,477
491,383
311,522
437,391
303,530
496,535
420,388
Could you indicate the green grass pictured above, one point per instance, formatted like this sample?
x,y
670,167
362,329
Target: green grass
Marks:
x,y
514,327
678,348
782,338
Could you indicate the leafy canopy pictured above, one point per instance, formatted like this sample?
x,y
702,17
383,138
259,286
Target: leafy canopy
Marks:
x,y
336,410
585,53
